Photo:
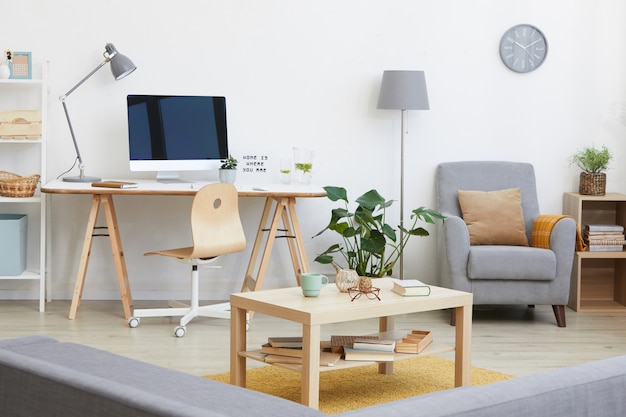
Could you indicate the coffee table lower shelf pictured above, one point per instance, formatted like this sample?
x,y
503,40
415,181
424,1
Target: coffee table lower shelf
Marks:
x,y
432,349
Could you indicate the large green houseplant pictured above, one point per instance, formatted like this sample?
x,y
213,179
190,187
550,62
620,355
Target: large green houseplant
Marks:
x,y
369,245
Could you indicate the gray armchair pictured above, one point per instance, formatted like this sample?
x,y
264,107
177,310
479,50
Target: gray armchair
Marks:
x,y
499,274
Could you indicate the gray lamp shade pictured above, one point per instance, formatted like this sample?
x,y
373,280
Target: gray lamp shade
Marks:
x,y
403,90
121,65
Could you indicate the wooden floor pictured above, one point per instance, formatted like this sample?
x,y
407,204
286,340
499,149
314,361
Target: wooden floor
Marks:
x,y
513,340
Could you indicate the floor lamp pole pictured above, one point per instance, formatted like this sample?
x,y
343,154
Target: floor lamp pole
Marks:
x,y
403,115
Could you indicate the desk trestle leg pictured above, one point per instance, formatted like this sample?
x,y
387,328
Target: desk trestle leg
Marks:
x,y
284,212
118,254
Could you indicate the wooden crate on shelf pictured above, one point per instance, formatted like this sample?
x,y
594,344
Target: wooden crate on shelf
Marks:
x,y
20,124
414,342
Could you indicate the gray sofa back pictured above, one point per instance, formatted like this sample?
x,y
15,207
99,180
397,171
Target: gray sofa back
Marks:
x,y
595,389
42,377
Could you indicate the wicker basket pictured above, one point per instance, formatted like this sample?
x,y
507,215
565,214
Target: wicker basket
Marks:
x,y
592,184
13,185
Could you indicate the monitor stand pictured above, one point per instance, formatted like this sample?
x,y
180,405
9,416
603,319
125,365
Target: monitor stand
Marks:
x,y
170,177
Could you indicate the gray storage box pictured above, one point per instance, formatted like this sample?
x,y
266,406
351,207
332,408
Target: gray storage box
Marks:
x,y
13,243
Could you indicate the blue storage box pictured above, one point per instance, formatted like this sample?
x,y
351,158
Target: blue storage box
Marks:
x,y
13,244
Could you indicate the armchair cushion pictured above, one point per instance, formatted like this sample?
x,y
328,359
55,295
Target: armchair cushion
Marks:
x,y
511,263
494,217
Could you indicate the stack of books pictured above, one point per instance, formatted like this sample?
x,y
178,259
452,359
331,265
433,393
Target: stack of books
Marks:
x,y
283,350
604,237
364,348
288,350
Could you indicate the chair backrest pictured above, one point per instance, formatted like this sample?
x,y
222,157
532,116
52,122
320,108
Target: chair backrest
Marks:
x,y
487,176
215,223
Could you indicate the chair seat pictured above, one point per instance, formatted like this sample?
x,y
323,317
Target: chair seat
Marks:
x,y
511,263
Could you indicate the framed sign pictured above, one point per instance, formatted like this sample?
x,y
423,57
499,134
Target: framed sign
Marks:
x,y
21,65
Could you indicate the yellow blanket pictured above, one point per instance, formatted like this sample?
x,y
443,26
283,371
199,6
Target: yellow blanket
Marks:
x,y
543,227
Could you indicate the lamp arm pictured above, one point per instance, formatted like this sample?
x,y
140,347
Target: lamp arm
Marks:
x,y
81,166
63,98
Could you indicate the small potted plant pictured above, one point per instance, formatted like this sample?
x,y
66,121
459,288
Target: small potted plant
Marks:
x,y
593,162
228,170
369,245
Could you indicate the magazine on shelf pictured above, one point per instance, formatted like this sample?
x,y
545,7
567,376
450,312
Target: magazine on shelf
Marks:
x,y
605,248
284,351
604,228
351,354
374,344
291,342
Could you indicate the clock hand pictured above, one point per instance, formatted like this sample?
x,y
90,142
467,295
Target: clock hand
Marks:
x,y
520,45
531,44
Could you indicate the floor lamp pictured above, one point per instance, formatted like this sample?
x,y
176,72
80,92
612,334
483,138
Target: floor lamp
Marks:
x,y
121,66
403,90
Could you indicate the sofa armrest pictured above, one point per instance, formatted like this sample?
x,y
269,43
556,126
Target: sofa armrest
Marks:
x,y
563,244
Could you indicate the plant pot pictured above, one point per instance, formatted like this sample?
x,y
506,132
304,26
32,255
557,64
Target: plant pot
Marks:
x,y
228,175
592,184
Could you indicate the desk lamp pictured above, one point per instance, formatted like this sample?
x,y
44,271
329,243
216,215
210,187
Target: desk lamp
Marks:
x,y
121,66
403,90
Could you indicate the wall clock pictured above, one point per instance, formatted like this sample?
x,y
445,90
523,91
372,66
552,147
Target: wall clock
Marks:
x,y
523,48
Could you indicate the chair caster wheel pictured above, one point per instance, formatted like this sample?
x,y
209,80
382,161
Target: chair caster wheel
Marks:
x,y
133,322
180,331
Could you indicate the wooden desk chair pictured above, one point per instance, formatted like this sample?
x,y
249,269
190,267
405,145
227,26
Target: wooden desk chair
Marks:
x,y
216,230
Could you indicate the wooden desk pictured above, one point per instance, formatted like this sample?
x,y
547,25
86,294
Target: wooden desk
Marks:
x,y
281,197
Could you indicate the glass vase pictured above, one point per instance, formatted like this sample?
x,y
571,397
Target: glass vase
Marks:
x,y
346,278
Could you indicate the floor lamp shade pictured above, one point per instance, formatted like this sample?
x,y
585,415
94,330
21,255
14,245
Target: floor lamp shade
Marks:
x,y
403,90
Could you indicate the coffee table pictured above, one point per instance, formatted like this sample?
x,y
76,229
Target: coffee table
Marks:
x,y
333,306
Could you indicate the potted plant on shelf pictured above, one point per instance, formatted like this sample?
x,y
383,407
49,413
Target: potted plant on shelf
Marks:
x,y
369,246
228,170
593,162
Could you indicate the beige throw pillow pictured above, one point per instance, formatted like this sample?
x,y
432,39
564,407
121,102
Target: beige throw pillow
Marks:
x,y
494,217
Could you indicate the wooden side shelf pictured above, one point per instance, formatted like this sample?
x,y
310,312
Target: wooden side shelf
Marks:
x,y
598,278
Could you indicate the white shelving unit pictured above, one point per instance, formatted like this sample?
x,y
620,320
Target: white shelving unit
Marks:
x,y
26,157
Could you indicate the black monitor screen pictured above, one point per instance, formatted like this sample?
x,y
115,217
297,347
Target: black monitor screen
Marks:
x,y
177,127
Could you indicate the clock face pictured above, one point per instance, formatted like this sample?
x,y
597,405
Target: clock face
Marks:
x,y
523,48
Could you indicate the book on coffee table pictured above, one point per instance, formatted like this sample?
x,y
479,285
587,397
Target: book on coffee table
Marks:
x,y
410,287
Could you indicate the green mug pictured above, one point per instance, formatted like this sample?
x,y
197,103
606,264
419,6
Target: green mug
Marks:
x,y
312,283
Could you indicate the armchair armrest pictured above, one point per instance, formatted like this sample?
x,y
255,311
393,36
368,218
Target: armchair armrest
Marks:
x,y
563,243
456,244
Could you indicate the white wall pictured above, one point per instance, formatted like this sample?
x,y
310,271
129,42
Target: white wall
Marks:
x,y
307,73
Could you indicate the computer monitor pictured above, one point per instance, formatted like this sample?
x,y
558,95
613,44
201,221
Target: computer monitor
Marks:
x,y
169,134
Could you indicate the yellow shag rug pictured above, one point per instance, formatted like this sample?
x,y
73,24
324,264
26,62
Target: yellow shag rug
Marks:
x,y
353,388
